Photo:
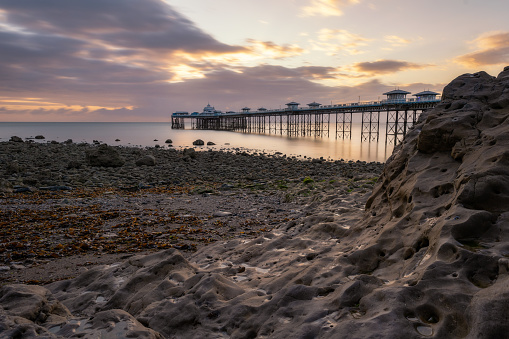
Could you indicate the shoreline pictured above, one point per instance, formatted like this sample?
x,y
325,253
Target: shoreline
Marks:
x,y
64,216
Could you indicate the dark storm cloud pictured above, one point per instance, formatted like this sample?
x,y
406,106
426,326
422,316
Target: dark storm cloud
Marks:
x,y
149,24
386,66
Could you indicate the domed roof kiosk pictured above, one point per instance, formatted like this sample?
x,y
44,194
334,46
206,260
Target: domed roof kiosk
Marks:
x,y
292,106
426,96
396,95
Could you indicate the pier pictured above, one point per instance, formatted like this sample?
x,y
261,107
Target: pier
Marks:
x,y
318,120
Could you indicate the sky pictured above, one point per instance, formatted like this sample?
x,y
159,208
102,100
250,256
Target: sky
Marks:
x,y
141,60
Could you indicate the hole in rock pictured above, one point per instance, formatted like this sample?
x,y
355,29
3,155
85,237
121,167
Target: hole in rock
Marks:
x,y
398,213
409,199
421,243
443,170
493,142
455,275
408,253
428,314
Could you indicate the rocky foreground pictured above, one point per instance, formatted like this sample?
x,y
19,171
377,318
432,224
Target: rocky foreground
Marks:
x,y
68,207
427,256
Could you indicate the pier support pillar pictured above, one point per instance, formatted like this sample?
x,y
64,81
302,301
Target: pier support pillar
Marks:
x,y
370,126
344,125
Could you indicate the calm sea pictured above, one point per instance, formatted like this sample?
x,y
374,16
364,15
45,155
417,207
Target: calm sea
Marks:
x,y
146,134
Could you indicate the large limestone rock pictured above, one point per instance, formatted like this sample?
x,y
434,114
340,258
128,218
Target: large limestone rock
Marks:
x,y
105,156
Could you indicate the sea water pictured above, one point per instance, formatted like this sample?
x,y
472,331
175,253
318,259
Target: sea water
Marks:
x,y
149,134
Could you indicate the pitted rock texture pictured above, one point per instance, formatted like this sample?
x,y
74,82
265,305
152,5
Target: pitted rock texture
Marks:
x,y
426,255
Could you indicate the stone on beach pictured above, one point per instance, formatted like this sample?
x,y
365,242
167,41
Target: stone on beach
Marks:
x,y
15,139
104,156
147,160
198,142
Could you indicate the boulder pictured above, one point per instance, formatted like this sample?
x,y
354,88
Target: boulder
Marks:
x,y
16,139
210,143
189,152
40,137
169,141
198,142
104,156
147,160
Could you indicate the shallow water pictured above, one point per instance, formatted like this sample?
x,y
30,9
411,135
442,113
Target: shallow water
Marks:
x,y
145,134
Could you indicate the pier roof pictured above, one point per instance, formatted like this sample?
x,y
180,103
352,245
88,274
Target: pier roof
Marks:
x,y
396,91
293,103
314,104
425,93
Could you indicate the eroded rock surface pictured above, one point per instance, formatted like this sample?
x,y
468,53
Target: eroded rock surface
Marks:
x,y
425,256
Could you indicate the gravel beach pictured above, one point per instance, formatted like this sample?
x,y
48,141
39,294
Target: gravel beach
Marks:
x,y
66,207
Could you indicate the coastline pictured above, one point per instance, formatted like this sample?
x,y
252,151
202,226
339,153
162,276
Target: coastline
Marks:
x,y
64,216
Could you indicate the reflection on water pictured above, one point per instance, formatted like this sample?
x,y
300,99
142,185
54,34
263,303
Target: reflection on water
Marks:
x,y
146,134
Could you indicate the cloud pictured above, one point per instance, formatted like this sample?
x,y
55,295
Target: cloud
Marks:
x,y
336,40
492,49
327,7
396,41
148,24
380,67
272,50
